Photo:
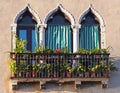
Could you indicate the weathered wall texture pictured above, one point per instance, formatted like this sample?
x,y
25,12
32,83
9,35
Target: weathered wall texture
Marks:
x,y
109,10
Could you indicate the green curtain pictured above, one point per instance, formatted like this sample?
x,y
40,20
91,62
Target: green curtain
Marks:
x,y
58,36
36,36
89,37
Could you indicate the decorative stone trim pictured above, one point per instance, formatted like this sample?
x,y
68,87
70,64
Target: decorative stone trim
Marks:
x,y
14,25
63,10
101,21
31,11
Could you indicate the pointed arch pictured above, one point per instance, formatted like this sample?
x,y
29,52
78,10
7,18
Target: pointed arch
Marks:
x,y
96,14
99,18
64,11
33,13
28,31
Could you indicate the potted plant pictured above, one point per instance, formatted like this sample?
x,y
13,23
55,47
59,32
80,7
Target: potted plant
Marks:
x,y
87,71
49,69
63,69
56,69
108,67
65,50
42,49
83,51
41,69
21,68
111,66
79,70
98,70
20,45
69,69
58,50
35,69
27,71
92,71
13,68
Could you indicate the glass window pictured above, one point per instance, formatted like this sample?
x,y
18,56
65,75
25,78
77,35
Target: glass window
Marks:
x,y
58,33
89,33
27,30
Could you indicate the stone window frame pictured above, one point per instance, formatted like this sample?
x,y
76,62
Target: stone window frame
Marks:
x,y
101,22
14,25
75,27
69,16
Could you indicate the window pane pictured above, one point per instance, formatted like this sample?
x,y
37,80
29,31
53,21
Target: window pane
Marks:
x,y
34,40
58,37
89,37
23,34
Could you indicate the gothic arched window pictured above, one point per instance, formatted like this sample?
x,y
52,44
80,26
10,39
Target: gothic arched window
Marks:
x,y
26,30
58,32
89,34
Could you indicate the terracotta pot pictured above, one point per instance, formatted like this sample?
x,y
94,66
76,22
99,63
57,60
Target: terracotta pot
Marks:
x,y
68,74
87,74
34,74
93,74
27,74
55,74
98,75
13,56
13,75
37,56
63,74
106,74
80,74
48,74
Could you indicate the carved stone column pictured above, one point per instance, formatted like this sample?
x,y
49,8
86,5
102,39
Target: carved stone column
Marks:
x,y
13,32
75,29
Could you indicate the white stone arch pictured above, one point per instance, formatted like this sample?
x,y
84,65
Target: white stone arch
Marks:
x,y
67,14
14,25
101,23
64,11
34,14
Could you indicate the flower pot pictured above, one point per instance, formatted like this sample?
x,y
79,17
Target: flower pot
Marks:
x,y
37,56
34,74
13,75
81,75
13,56
93,75
62,75
48,74
20,74
98,75
87,74
106,74
68,74
55,75
27,74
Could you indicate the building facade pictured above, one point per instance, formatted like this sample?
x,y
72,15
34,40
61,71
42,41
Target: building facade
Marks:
x,y
106,16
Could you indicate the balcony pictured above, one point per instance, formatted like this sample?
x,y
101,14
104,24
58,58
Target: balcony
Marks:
x,y
59,67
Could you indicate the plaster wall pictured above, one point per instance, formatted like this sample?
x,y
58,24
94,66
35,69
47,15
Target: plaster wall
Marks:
x,y
108,9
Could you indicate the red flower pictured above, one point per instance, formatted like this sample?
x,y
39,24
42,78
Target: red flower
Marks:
x,y
37,63
58,50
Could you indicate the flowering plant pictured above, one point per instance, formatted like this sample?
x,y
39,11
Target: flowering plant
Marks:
x,y
58,50
38,67
80,68
96,68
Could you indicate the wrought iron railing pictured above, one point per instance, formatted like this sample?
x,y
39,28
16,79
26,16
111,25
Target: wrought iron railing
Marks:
x,y
62,65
